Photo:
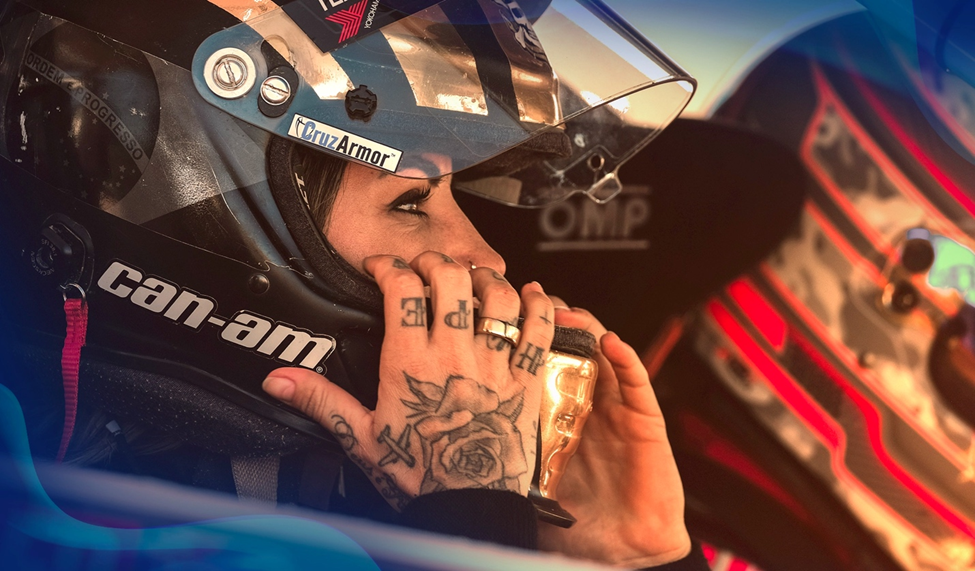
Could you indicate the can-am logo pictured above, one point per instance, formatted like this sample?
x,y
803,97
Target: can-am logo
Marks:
x,y
273,339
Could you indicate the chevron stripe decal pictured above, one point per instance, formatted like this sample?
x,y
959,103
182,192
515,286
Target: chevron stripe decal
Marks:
x,y
350,19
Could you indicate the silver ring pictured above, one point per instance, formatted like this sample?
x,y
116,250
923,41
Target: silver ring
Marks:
x,y
498,328
67,287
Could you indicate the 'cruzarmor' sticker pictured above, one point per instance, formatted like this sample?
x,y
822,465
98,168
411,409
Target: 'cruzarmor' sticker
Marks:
x,y
345,143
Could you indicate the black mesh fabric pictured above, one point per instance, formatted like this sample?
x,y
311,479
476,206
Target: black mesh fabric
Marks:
x,y
180,409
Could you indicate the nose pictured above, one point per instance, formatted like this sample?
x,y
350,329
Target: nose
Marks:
x,y
487,257
468,247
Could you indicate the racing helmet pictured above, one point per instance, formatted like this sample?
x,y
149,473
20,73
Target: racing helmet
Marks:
x,y
147,163
852,342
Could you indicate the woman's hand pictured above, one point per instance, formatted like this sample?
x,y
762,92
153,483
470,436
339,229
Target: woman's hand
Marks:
x,y
622,483
455,409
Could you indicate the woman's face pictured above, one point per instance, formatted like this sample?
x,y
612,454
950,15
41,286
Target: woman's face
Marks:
x,y
377,213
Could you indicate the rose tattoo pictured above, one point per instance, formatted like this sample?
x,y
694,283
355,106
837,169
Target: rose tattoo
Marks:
x,y
468,435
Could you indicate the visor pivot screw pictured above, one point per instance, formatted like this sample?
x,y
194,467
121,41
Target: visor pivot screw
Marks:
x,y
361,103
275,90
229,73
596,162
258,284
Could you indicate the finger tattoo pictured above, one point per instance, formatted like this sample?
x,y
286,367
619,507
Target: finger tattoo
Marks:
x,y
497,343
414,312
458,319
531,359
343,433
400,264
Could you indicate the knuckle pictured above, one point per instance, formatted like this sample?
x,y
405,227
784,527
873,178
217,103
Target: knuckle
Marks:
x,y
488,274
389,260
498,286
537,301
543,339
502,294
404,280
399,263
313,401
432,258
450,274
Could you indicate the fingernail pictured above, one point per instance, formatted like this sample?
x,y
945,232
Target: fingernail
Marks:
x,y
279,388
562,308
539,286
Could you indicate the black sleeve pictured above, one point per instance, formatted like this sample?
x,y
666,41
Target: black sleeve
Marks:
x,y
497,516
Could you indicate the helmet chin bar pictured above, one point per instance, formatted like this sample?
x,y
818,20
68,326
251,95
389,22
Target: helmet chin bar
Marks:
x,y
343,282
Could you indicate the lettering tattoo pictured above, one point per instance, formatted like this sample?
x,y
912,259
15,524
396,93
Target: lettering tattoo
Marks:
x,y
415,313
399,448
385,483
531,359
343,433
545,318
458,319
400,264
483,450
496,343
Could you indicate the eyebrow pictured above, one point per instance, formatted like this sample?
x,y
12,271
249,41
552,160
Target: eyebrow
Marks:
x,y
432,182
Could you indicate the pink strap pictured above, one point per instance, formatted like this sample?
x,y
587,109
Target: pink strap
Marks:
x,y
76,315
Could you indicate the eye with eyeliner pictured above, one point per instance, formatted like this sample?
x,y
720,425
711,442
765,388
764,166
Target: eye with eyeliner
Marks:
x,y
410,201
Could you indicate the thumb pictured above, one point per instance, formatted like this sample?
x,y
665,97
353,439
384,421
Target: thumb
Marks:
x,y
327,403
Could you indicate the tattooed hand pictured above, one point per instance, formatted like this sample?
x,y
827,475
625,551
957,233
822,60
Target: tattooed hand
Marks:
x,y
455,409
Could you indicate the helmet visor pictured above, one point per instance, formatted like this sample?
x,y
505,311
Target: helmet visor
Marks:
x,y
464,79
